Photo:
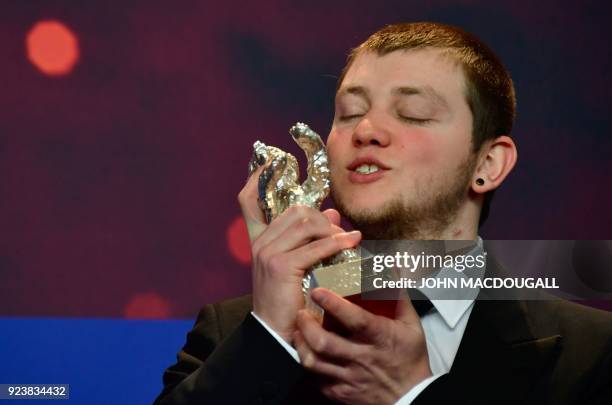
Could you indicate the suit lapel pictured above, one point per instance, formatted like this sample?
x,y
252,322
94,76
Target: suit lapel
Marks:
x,y
501,353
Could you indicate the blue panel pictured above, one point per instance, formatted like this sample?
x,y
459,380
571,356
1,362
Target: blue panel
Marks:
x,y
104,361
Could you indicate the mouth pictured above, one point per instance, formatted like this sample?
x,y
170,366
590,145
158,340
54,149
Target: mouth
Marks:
x,y
366,170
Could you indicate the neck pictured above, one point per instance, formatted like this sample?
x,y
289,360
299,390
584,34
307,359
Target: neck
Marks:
x,y
464,225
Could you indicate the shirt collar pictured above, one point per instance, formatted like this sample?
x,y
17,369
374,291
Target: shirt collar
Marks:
x,y
453,310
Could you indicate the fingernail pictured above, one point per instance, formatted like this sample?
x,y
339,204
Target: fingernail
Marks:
x,y
318,296
354,235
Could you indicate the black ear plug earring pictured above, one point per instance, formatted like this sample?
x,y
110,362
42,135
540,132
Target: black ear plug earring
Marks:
x,y
479,181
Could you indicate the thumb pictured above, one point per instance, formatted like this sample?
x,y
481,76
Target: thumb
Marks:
x,y
248,199
333,216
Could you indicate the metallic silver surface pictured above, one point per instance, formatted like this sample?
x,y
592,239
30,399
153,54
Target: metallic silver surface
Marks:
x,y
279,188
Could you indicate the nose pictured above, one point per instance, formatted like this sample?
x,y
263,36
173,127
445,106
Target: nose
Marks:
x,y
368,134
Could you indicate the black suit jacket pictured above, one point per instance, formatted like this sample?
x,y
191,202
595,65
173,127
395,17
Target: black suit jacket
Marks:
x,y
512,352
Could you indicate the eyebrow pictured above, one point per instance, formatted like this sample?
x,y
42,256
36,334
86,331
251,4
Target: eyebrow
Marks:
x,y
358,91
425,91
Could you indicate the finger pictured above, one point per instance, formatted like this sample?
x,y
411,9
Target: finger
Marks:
x,y
333,215
251,212
300,232
405,311
312,362
351,316
324,343
306,256
297,218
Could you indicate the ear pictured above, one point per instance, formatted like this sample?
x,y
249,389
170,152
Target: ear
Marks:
x,y
497,159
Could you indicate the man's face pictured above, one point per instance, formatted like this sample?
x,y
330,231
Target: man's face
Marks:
x,y
400,145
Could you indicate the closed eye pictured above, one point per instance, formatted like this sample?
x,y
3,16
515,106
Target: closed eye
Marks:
x,y
413,120
349,117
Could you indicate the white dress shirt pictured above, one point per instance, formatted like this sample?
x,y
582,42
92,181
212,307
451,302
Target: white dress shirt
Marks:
x,y
443,326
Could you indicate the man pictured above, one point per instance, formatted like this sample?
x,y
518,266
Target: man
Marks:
x,y
418,144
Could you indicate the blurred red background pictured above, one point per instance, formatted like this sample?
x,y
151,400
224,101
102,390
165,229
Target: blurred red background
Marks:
x,y
126,128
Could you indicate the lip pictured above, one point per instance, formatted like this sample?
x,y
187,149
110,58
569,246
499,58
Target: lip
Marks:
x,y
366,160
361,178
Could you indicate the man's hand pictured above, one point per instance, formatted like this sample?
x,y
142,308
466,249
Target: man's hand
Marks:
x,y
378,364
283,250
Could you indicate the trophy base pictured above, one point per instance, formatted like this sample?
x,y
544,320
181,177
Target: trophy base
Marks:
x,y
345,279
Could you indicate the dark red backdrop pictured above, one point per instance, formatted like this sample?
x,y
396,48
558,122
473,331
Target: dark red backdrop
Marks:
x,y
118,179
